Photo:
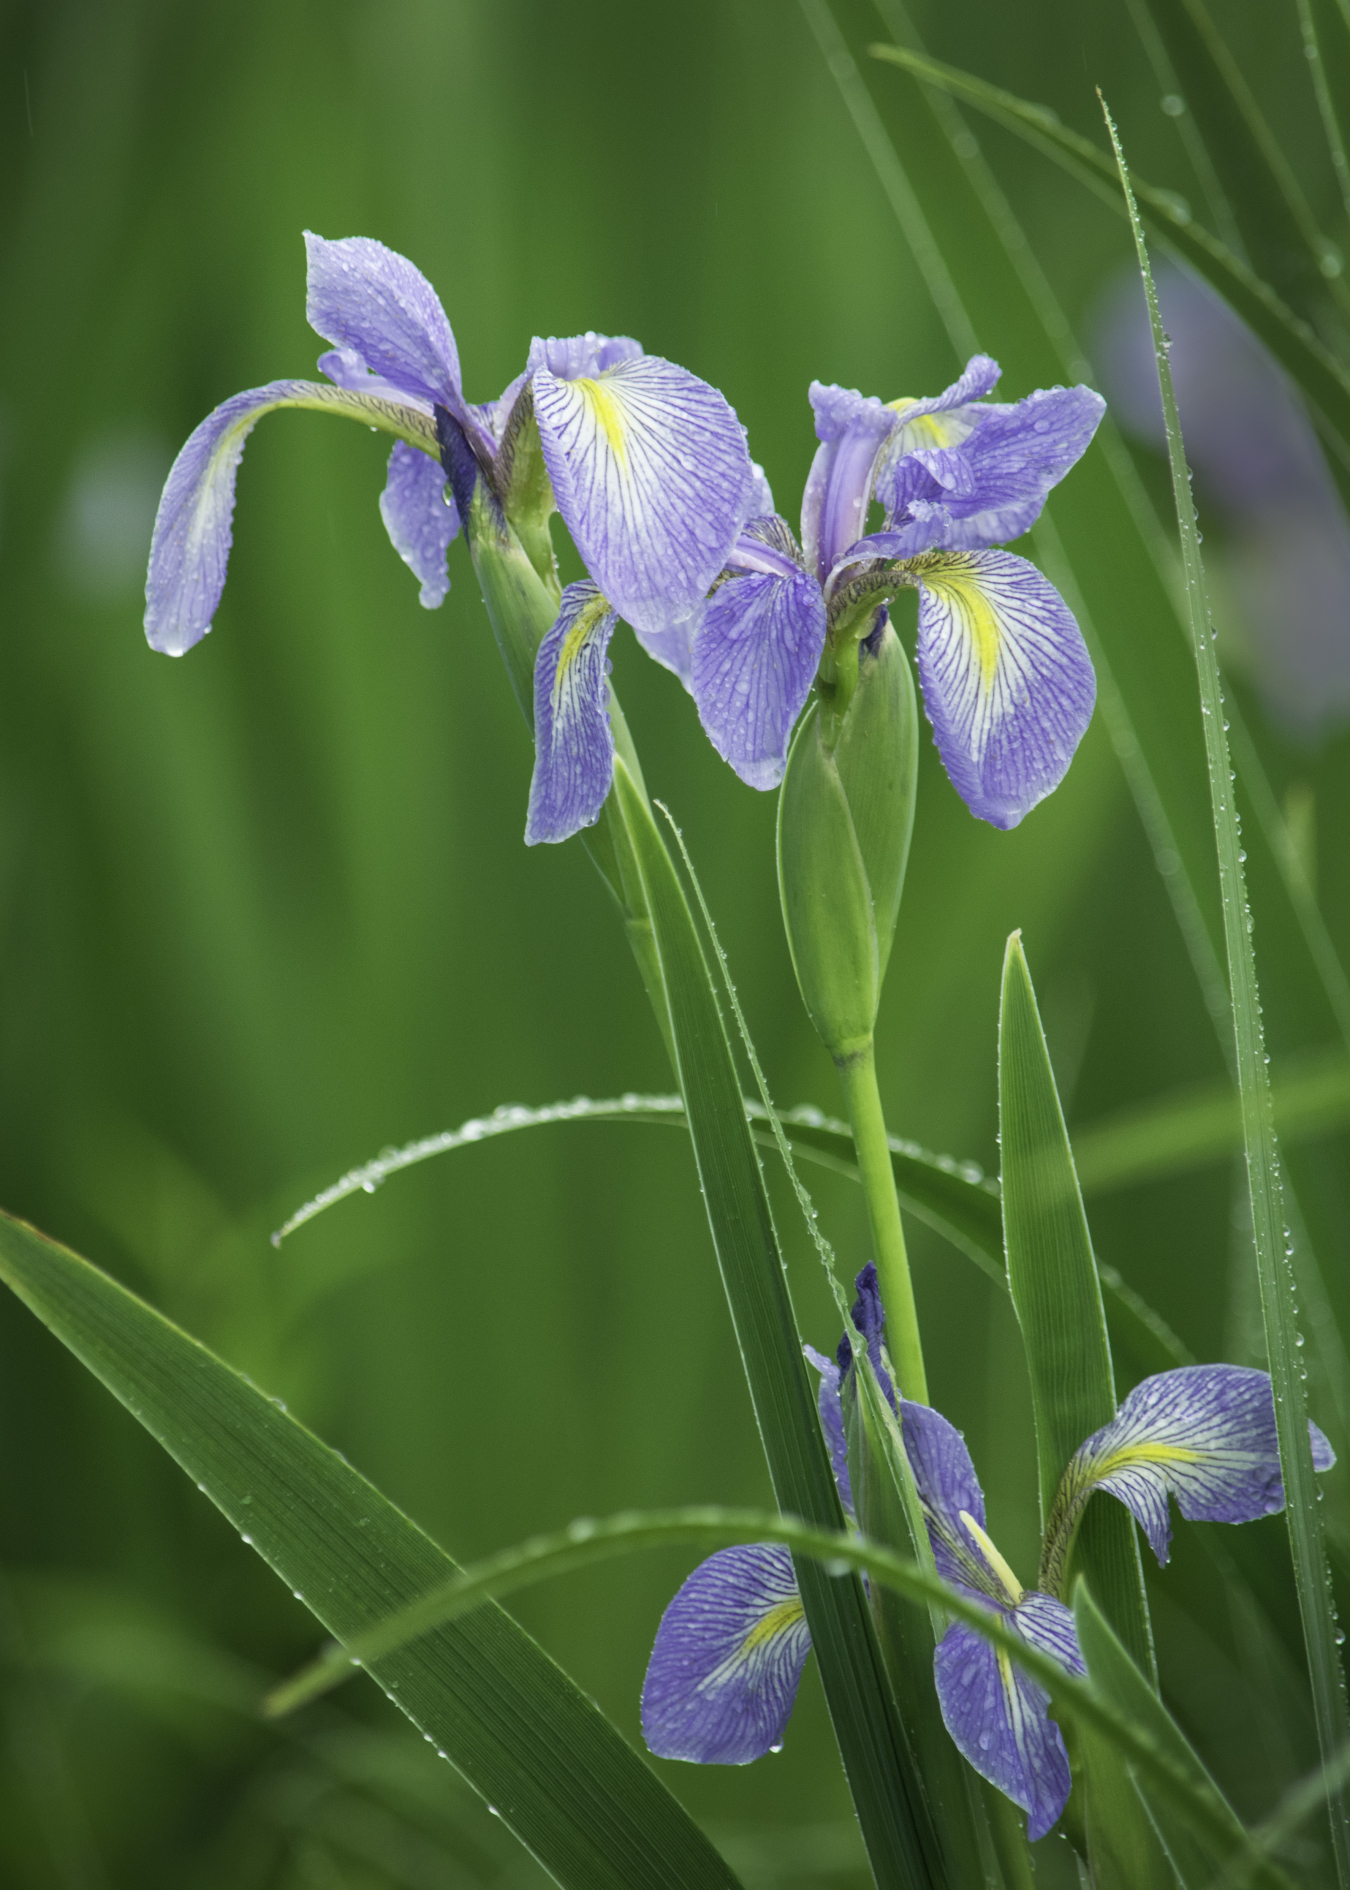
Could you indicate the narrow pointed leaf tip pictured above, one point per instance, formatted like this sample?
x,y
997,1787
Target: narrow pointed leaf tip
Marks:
x,y
1206,1435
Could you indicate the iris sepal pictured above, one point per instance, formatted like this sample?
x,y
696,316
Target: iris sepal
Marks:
x,y
1204,1434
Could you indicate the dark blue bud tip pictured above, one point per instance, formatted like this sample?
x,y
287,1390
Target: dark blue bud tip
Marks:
x,y
459,460
868,1313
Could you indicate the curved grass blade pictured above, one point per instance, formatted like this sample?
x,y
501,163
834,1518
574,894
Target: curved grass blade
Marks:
x,y
1279,230
1268,1221
518,1729
1052,1272
1172,1771
1298,350
887,1794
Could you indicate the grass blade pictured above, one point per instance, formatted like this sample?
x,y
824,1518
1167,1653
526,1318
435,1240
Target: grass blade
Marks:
x,y
1268,1221
887,1794
1143,1741
501,1711
1289,338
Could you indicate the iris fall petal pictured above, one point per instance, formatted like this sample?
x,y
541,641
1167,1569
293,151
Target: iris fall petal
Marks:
x,y
574,746
420,517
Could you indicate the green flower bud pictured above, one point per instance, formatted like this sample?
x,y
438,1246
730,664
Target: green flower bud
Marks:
x,y
845,815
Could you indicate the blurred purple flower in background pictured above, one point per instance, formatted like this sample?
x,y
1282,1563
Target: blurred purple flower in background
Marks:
x,y
1260,471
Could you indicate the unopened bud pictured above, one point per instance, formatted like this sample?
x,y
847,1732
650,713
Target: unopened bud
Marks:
x,y
845,815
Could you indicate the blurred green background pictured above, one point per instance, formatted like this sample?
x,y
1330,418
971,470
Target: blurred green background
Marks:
x,y
267,909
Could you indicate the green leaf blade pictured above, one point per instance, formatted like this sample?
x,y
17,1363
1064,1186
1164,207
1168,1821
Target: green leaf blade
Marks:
x,y
561,1777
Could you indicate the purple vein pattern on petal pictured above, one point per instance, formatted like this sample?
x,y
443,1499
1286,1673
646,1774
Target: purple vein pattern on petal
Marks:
x,y
193,532
574,746
347,369
420,517
372,302
979,378
980,476
945,1479
852,429
651,474
1207,1434
831,1409
997,1714
755,655
728,1659
1007,681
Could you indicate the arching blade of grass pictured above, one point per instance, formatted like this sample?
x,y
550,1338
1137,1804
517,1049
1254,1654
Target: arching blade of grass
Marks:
x,y
887,1793
560,1775
1151,1744
1268,1219
1289,338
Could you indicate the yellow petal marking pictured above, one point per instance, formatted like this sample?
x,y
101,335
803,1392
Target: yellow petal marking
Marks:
x,y
996,1562
955,578
607,414
777,1621
1146,1453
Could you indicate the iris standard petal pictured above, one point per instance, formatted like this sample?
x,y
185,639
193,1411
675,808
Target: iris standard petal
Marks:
x,y
728,1660
1007,681
978,378
997,482
651,474
573,743
755,658
997,1714
421,518
673,649
1206,1433
851,428
370,301
830,1406
948,1487
190,548
575,356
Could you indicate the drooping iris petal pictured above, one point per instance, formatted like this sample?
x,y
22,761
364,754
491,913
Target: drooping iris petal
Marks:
x,y
420,517
945,1479
728,1659
370,301
651,474
997,1714
1007,681
851,428
756,653
190,548
831,1409
978,378
1206,1433
573,743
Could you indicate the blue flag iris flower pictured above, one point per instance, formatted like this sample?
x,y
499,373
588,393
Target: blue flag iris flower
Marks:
x,y
1007,683
648,467
733,1643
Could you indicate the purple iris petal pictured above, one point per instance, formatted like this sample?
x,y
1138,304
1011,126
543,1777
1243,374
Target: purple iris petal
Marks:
x,y
756,653
830,1406
979,377
347,369
574,356
574,746
193,527
420,517
1007,681
760,502
371,302
869,1319
945,1479
997,1714
851,428
980,476
1207,1434
673,649
652,477
728,1660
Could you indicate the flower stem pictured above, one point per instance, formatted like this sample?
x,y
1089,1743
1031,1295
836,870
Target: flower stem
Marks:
x,y
858,1074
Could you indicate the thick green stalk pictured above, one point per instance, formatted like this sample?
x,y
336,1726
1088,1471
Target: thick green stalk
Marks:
x,y
859,1076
